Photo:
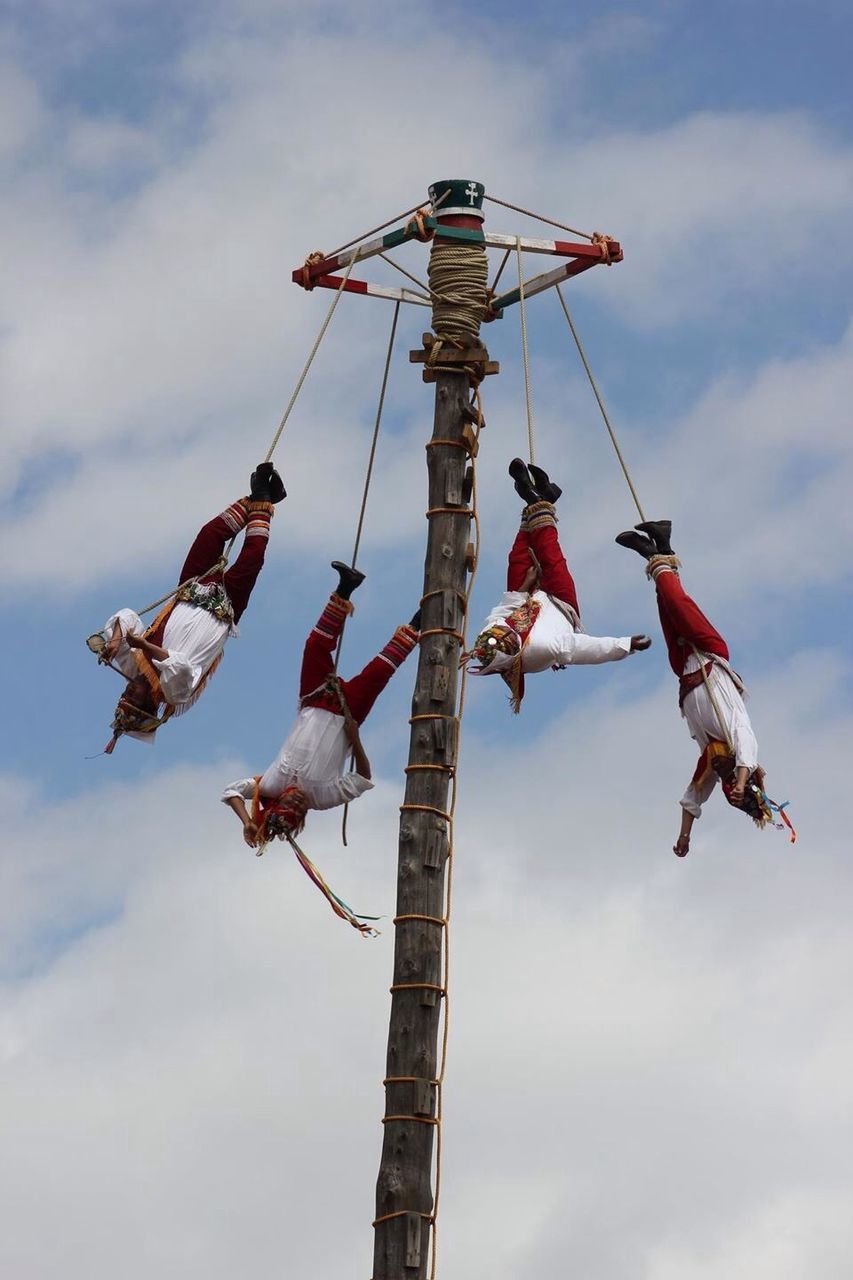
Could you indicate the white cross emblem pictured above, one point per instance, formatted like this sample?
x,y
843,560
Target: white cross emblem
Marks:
x,y
471,192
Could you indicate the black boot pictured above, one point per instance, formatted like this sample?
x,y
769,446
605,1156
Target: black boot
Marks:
x,y
415,622
547,491
348,579
658,531
266,484
637,542
523,484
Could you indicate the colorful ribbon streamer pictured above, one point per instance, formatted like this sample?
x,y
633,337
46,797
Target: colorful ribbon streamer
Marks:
x,y
340,908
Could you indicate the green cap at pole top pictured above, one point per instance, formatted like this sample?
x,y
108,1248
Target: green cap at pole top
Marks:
x,y
464,196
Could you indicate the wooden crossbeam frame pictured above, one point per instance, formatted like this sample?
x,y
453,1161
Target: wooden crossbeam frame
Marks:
x,y
581,256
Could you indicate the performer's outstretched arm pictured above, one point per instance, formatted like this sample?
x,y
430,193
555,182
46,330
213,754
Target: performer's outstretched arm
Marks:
x,y
250,830
582,650
682,843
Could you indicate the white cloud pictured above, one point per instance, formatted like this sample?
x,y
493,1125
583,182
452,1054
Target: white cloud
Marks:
x,y
155,335
21,113
650,1061
648,1057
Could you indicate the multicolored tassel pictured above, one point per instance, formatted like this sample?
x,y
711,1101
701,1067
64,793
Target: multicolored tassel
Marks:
x,y
337,904
780,809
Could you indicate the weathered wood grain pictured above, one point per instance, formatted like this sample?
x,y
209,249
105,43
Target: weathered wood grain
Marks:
x,y
404,1185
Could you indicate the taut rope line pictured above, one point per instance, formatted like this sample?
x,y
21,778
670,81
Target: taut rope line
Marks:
x,y
364,496
309,362
597,395
427,292
522,309
222,562
517,208
383,225
710,692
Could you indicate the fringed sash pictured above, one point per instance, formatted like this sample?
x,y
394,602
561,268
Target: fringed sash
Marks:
x,y
151,676
521,621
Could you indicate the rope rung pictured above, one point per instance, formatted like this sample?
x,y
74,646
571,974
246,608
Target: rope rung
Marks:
x,y
426,920
409,1080
429,808
443,631
417,986
416,1119
439,591
401,1213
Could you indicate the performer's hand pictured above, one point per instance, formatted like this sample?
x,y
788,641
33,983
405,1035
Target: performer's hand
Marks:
x,y
639,643
738,785
136,641
111,648
250,834
531,580
681,846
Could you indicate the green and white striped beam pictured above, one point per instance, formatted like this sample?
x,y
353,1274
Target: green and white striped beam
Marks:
x,y
581,257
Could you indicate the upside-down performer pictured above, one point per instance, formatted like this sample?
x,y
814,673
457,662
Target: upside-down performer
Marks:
x,y
536,624
310,770
168,664
710,693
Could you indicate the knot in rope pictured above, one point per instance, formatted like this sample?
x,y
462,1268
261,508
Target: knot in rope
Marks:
x,y
422,232
603,241
311,261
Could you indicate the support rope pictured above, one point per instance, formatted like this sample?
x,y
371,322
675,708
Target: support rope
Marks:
x,y
367,479
324,326
597,395
710,692
517,208
383,225
494,285
721,722
427,292
524,353
222,562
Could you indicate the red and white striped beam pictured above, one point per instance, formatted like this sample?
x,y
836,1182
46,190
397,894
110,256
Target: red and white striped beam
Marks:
x,y
373,290
581,257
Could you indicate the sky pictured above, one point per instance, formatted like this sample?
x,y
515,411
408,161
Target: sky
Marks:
x,y
650,1059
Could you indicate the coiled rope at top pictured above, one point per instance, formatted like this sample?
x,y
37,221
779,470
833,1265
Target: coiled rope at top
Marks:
x,y
457,274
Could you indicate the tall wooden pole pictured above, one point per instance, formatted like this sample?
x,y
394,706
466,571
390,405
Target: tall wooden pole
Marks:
x,y
404,1195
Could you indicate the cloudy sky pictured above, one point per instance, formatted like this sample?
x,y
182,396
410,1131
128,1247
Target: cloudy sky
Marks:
x,y
650,1059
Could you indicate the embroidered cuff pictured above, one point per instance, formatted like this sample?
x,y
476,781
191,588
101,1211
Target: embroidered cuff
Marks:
x,y
235,516
331,620
401,644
